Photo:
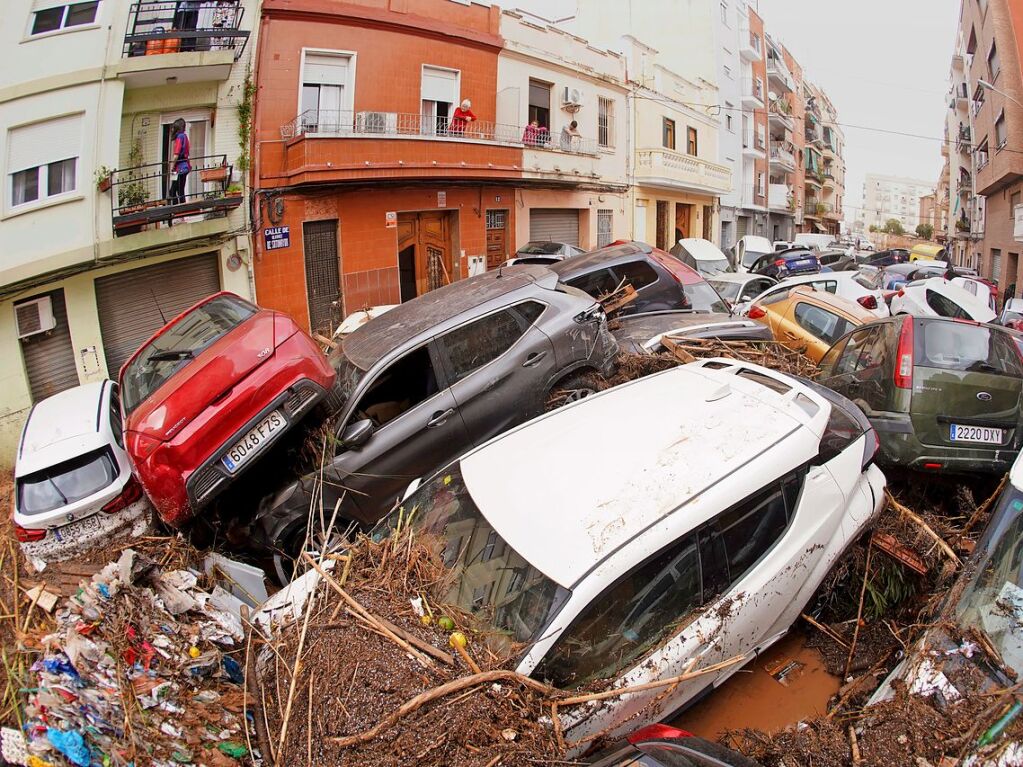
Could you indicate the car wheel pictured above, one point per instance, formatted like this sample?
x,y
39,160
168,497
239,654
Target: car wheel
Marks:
x,y
574,388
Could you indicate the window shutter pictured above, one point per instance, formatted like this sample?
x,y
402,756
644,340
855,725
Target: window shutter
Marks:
x,y
45,142
42,5
440,85
321,69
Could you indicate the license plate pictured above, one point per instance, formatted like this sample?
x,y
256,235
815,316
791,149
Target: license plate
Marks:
x,y
803,264
958,433
76,531
254,441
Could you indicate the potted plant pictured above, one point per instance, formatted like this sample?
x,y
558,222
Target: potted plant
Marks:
x,y
104,178
235,190
214,174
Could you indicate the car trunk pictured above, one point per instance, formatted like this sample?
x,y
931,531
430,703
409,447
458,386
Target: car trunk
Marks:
x,y
207,379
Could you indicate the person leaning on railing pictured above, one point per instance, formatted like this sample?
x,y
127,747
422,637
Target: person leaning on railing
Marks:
x,y
461,118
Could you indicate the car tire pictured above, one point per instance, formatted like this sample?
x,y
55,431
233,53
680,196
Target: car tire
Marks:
x,y
574,388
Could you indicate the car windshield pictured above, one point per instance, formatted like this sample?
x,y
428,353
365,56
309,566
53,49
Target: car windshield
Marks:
x,y
727,290
486,577
967,348
540,248
66,482
178,344
349,375
701,297
993,598
537,260
711,267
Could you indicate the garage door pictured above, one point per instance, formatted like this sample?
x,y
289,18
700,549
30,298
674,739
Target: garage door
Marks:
x,y
554,225
135,304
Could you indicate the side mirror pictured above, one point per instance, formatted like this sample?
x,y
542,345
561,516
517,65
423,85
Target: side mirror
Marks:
x,y
358,433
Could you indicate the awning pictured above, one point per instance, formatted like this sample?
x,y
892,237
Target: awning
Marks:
x,y
818,227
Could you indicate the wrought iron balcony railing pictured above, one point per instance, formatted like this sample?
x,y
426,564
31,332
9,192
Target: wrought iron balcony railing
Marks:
x,y
181,26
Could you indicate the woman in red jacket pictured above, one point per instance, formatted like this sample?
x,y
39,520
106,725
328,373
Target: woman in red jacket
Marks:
x,y
461,119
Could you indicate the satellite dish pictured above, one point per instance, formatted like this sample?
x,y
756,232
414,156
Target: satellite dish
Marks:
x,y
772,95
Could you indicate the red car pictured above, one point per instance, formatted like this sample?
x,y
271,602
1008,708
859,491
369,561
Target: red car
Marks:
x,y
209,392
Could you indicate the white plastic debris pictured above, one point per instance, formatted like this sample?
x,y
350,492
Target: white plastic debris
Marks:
x,y
928,680
13,747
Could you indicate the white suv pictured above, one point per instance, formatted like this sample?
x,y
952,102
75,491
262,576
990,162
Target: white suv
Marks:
x,y
73,484
688,515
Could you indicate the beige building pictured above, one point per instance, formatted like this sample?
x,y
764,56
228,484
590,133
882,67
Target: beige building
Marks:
x,y
97,252
893,197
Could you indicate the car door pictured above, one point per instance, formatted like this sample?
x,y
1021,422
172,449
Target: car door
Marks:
x,y
416,430
499,366
818,327
655,292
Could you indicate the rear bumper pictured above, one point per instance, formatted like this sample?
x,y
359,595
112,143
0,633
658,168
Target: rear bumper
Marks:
x,y
900,447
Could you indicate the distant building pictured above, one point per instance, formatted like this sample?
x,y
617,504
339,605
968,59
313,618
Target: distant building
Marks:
x,y
893,197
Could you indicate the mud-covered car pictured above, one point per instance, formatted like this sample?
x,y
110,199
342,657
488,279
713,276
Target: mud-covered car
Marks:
x,y
436,376
642,333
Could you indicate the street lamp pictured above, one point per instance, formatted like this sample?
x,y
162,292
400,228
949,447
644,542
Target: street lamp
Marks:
x,y
988,86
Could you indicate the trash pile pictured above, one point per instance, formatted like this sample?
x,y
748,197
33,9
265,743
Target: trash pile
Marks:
x,y
770,354
144,667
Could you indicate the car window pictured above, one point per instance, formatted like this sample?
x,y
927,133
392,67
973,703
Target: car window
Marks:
x,y
849,362
966,348
597,283
701,297
775,295
403,385
829,286
842,430
629,619
727,290
66,482
639,274
865,282
529,311
945,307
750,529
472,346
115,417
821,323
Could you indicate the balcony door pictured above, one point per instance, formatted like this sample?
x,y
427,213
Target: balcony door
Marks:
x,y
325,92
439,91
197,128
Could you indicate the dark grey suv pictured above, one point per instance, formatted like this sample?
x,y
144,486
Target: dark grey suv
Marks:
x,y
434,377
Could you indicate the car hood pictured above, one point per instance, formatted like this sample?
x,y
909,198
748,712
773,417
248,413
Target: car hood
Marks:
x,y
209,376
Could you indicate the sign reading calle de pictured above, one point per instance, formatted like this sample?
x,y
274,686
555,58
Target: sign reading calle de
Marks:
x,y
277,237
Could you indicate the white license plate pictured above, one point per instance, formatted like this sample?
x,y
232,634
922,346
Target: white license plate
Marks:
x,y
254,441
78,530
985,434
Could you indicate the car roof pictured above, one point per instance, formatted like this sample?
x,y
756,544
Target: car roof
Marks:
x,y
649,324
589,503
62,427
701,249
421,316
616,253
825,300
803,279
740,278
957,293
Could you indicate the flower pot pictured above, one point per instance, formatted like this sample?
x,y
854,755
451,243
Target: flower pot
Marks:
x,y
104,184
213,174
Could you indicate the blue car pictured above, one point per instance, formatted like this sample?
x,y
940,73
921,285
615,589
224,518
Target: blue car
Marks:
x,y
895,276
787,263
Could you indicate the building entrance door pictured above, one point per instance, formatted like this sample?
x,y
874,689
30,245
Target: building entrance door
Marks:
x,y
683,220
424,252
497,238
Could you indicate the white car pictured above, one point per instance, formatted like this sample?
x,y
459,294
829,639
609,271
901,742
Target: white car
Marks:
x,y
73,485
357,319
742,288
702,255
937,297
849,285
981,290
747,250
698,534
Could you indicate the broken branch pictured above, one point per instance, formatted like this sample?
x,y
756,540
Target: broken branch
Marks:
x,y
923,526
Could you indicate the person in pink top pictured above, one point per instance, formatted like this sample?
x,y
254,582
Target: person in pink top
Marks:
x,y
462,117
179,164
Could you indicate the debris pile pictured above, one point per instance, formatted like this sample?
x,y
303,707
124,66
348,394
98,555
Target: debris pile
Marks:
x,y
770,354
143,667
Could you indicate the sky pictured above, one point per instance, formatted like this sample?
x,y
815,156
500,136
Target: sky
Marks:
x,y
883,63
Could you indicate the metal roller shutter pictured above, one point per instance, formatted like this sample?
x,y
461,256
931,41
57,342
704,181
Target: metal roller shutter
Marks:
x,y
50,357
554,225
135,304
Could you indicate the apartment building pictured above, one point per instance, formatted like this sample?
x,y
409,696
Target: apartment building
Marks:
x,y
893,197
824,163
965,224
99,249
784,81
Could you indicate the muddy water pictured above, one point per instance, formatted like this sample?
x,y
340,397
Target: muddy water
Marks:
x,y
798,688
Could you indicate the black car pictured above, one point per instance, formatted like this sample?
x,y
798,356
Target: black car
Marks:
x,y
787,263
642,333
836,261
884,257
661,281
660,745
434,377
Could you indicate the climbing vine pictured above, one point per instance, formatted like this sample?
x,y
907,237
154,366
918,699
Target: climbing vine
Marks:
x,y
245,120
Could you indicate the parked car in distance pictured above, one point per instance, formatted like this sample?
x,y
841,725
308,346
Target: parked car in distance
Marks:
x,y
747,250
836,260
815,241
928,252
1011,312
809,320
884,257
739,289
943,395
210,392
702,255
359,318
787,263
547,248
897,275
849,285
699,532
642,333
937,297
73,483
661,281
436,376
660,745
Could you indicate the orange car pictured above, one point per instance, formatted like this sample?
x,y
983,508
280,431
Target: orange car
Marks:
x,y
809,320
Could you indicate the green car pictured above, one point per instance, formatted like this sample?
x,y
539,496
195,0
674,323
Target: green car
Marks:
x,y
943,394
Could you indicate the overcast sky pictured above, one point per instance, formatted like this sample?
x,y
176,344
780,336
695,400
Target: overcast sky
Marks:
x,y
883,63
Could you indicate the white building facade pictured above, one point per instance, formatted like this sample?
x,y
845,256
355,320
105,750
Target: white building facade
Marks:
x,y
888,197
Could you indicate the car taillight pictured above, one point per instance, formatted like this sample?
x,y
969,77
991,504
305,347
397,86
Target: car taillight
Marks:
x,y
657,732
870,448
904,356
867,302
141,446
27,536
130,493
756,313
780,262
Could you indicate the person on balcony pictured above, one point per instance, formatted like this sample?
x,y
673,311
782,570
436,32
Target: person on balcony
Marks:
x,y
533,135
186,19
179,164
461,118
570,136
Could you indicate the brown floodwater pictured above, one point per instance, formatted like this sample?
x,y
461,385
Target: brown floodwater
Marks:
x,y
785,685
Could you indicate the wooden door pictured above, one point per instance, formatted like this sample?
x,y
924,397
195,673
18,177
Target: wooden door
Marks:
x,y
683,221
497,238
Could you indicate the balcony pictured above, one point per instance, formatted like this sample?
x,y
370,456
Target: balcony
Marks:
x,y
780,198
957,62
750,45
670,169
778,75
812,135
754,196
964,144
782,157
814,178
753,144
165,43
779,116
140,195
815,208
753,94
827,178
961,94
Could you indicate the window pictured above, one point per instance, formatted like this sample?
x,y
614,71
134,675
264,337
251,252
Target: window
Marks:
x,y
821,323
728,122
116,426
439,90
402,386
993,64
749,530
967,348
474,345
996,263
829,286
605,122
66,483
324,97
604,219
1014,200
529,311
761,189
1000,135
724,14
639,274
540,104
945,307
598,283
691,145
42,159
668,134
867,362
728,72
63,16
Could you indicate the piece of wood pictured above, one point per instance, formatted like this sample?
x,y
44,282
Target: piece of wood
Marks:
x,y
615,300
826,631
982,509
923,526
412,639
859,612
325,341
449,688
901,554
468,659
854,746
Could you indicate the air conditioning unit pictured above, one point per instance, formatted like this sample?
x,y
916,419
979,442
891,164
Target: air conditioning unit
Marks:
x,y
571,97
376,122
34,317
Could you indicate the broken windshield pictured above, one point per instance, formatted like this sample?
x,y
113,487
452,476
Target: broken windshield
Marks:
x,y
993,599
486,577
